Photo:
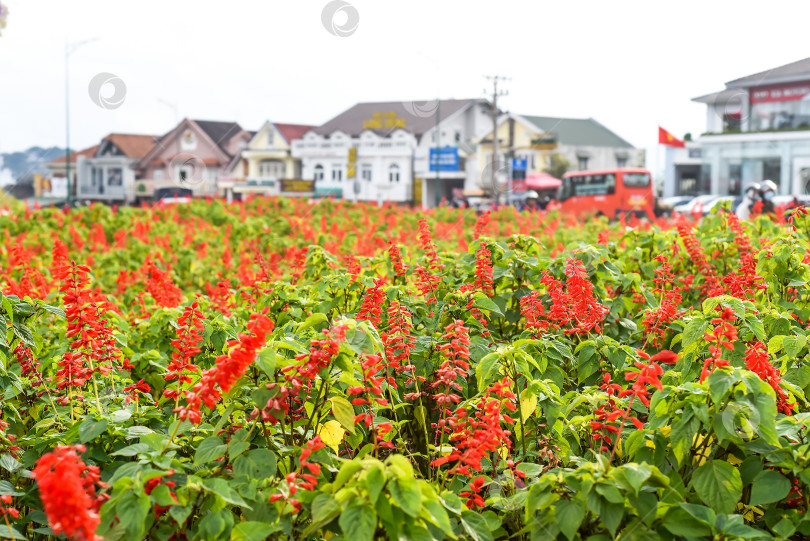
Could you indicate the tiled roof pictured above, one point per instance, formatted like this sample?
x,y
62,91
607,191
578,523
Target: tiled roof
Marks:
x,y
292,131
219,132
578,131
88,152
419,116
132,145
793,72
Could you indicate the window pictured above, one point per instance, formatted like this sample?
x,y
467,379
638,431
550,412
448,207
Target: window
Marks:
x,y
393,173
318,172
585,185
621,161
583,163
270,138
636,180
115,176
457,136
337,173
158,174
365,173
93,176
271,169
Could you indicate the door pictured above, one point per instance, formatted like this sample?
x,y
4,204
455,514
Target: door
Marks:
x,y
801,176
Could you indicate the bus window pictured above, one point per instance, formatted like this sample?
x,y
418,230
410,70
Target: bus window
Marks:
x,y
591,185
636,180
567,188
610,182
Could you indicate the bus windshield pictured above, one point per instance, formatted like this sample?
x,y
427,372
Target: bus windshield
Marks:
x,y
636,180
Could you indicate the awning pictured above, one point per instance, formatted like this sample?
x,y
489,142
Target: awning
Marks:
x,y
542,181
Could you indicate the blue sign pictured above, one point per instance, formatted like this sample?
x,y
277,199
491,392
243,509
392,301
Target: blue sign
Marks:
x,y
519,164
444,159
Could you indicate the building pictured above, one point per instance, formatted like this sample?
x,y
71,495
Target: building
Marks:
x,y
192,156
394,151
583,143
267,162
58,168
757,128
109,173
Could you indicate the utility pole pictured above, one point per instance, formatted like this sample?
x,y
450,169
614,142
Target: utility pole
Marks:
x,y
70,48
495,95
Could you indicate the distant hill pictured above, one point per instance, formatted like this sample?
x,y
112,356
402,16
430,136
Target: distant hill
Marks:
x,y
14,165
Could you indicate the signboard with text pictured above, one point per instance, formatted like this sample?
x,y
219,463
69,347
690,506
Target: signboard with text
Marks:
x,y
297,186
444,159
777,93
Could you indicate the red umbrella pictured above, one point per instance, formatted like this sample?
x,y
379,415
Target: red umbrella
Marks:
x,y
542,181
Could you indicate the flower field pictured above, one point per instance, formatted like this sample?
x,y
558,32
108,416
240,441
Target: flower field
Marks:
x,y
280,370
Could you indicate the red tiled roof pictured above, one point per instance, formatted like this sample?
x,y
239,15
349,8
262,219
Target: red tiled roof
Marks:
x,y
132,145
293,131
88,152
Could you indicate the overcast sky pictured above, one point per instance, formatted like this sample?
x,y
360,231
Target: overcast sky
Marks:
x,y
632,65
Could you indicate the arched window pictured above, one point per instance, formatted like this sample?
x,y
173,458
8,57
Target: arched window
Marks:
x,y
393,173
318,172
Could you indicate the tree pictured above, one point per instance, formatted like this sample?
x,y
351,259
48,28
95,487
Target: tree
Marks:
x,y
558,165
687,136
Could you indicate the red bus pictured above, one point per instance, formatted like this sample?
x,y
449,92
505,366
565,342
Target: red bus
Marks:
x,y
607,193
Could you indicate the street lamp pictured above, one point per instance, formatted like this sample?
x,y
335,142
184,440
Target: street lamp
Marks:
x,y
70,48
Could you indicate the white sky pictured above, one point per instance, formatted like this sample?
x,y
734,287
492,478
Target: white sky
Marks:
x,y
632,65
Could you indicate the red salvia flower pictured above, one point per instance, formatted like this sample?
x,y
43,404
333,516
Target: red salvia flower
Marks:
x,y
227,370
473,495
711,283
400,268
756,360
373,300
67,487
305,478
657,321
483,270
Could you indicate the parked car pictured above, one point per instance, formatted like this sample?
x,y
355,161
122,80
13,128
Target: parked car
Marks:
x,y
697,204
171,196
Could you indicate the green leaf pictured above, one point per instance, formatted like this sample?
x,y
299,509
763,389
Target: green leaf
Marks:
x,y
484,369
358,522
375,479
343,411
311,321
13,533
266,361
91,428
485,303
769,487
257,464
407,495
793,345
719,485
132,450
569,515
210,449
347,470
476,526
528,403
252,531
694,331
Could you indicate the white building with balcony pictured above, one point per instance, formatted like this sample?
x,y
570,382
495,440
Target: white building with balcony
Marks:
x,y
757,128
381,151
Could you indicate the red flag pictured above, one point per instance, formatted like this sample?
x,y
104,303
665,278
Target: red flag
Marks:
x,y
666,138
